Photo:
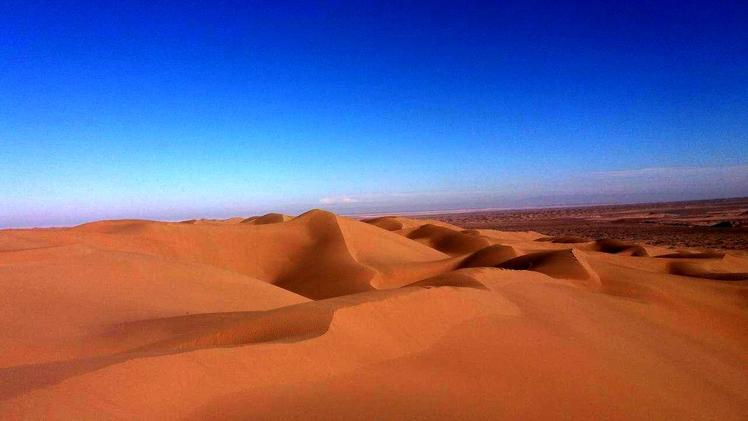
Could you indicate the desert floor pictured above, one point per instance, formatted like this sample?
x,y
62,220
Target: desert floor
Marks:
x,y
326,317
717,224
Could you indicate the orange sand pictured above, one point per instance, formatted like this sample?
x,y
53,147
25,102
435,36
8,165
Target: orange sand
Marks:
x,y
324,317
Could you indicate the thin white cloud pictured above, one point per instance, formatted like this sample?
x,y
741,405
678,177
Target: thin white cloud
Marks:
x,y
632,185
703,182
337,200
728,171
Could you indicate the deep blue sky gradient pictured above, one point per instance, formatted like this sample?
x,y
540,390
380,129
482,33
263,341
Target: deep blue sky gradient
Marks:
x,y
185,109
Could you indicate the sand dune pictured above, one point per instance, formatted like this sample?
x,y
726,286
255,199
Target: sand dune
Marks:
x,y
490,256
269,218
325,317
446,240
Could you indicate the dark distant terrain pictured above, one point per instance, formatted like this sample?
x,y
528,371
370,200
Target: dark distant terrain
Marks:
x,y
719,223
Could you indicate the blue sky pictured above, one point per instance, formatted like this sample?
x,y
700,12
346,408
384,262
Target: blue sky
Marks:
x,y
173,110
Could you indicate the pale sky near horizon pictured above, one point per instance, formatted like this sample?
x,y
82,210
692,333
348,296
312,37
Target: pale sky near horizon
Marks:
x,y
169,110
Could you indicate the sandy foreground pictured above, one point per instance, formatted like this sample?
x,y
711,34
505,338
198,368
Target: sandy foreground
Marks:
x,y
325,317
